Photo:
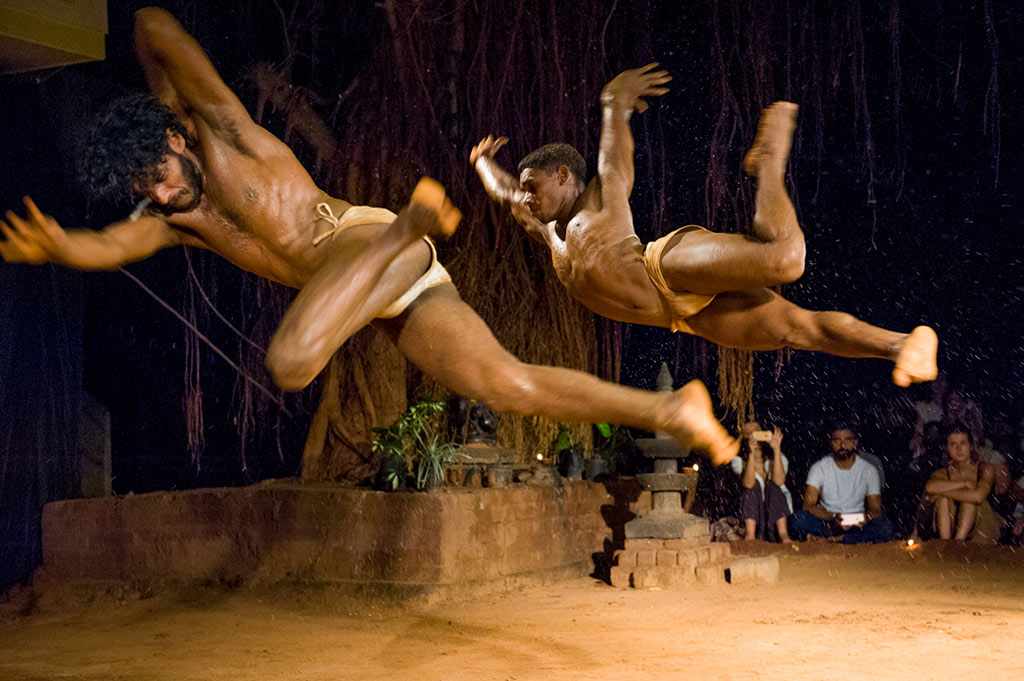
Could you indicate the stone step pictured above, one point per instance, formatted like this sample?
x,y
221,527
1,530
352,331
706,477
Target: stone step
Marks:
x,y
710,565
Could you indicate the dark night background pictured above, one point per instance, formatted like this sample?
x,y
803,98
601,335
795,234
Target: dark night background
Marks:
x,y
906,174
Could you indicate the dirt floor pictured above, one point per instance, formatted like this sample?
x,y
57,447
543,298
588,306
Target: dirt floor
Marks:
x,y
870,612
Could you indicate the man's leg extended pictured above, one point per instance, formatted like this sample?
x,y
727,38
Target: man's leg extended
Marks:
x,y
448,340
712,262
364,269
760,319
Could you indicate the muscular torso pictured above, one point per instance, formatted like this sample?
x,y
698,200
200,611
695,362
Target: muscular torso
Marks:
x,y
258,206
599,260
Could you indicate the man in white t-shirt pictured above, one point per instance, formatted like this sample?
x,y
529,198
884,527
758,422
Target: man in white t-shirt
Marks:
x,y
843,497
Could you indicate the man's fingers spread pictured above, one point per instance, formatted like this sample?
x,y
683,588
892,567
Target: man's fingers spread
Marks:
x,y
16,223
34,211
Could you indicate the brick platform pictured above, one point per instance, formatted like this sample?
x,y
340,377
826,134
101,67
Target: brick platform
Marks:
x,y
645,563
293,532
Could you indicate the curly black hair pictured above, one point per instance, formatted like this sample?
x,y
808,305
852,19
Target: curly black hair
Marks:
x,y
549,157
126,144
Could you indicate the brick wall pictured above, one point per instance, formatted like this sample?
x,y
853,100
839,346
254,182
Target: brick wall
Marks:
x,y
283,532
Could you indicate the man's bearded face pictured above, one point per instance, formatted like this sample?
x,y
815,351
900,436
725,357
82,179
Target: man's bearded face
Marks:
x,y
844,444
177,186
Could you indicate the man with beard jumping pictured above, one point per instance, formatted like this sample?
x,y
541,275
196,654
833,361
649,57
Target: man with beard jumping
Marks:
x,y
219,181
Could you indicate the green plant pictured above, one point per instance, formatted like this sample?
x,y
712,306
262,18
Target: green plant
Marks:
x,y
431,460
609,441
411,444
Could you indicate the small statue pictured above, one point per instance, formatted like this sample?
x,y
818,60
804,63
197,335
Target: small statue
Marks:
x,y
473,422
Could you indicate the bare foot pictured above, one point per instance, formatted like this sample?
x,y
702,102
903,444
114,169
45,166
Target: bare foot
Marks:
x,y
774,138
915,362
430,196
694,425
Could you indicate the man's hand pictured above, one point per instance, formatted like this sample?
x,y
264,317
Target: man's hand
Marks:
x,y
486,148
629,87
36,239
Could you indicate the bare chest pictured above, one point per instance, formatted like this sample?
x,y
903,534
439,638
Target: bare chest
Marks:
x,y
259,225
604,270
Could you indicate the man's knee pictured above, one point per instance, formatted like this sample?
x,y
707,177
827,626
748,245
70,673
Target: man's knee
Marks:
x,y
504,386
291,369
805,522
789,261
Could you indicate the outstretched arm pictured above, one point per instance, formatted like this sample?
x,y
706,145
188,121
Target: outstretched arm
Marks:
x,y
181,75
619,99
504,188
38,239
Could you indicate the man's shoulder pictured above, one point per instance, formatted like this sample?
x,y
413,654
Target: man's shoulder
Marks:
x,y
818,474
822,463
868,459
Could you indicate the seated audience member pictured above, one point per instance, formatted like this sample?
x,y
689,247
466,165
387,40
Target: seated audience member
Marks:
x,y
990,454
933,450
1016,533
930,411
843,497
764,503
959,492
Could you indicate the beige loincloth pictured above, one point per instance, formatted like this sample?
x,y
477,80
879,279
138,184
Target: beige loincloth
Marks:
x,y
682,304
367,215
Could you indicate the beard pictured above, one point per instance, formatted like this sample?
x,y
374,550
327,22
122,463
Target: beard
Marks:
x,y
187,200
844,454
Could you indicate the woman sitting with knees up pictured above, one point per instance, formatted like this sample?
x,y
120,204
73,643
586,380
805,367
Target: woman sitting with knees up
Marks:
x,y
765,500
960,491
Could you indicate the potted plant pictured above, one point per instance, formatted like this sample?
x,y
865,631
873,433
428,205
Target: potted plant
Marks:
x,y
608,442
431,461
408,449
568,455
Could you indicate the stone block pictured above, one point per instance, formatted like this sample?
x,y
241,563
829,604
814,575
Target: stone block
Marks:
x,y
703,554
697,530
687,559
662,576
670,558
624,558
685,544
646,558
644,544
622,577
711,574
720,551
763,570
665,524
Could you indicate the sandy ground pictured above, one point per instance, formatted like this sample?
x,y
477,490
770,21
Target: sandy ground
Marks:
x,y
873,612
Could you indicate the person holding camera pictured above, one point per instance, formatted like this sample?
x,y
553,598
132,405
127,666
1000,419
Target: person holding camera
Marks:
x,y
765,501
843,497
